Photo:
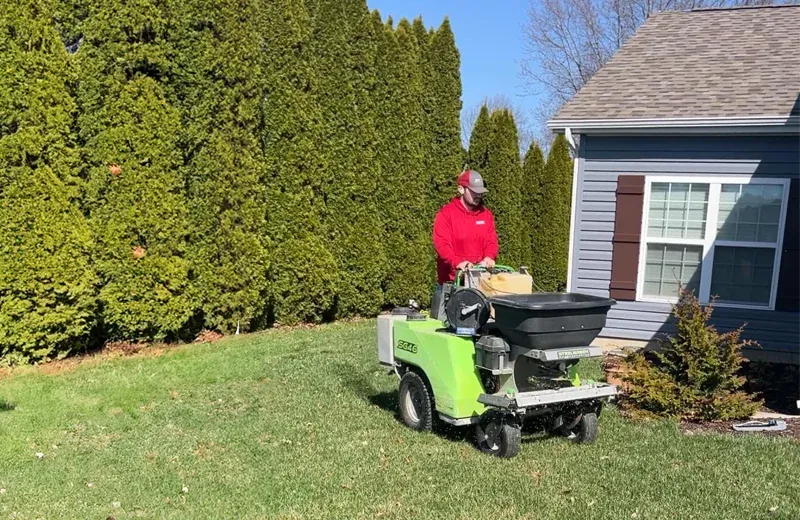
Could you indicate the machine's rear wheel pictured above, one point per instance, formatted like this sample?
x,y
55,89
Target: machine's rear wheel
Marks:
x,y
498,436
585,431
415,401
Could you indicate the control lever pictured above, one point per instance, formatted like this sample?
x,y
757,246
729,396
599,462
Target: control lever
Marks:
x,y
472,308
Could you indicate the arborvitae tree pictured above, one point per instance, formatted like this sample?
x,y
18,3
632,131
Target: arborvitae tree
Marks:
x,y
373,269
552,219
445,86
430,160
503,174
532,172
479,140
129,127
404,181
345,49
304,275
47,287
420,33
427,99
442,106
221,87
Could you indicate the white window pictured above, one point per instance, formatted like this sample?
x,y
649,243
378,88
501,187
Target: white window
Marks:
x,y
719,236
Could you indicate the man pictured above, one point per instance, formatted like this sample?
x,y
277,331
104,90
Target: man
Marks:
x,y
463,231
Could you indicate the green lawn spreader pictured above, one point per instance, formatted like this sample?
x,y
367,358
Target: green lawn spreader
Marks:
x,y
495,361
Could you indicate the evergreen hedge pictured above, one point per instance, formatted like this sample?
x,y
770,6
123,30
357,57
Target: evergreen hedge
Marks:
x,y
171,166
428,103
430,161
439,64
48,300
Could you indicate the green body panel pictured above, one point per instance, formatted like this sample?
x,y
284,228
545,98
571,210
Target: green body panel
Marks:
x,y
448,362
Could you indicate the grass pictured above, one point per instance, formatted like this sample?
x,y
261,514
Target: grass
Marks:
x,y
301,424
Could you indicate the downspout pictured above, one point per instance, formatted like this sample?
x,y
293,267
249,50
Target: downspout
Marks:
x,y
573,205
570,140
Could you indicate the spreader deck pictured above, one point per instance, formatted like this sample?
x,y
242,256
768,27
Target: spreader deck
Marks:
x,y
525,400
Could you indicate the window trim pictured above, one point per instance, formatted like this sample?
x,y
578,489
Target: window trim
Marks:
x,y
708,242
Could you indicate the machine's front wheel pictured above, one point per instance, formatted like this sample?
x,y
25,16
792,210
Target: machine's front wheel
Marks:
x,y
585,431
415,401
498,436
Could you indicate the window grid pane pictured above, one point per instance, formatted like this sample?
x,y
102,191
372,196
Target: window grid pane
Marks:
x,y
669,267
749,212
677,210
742,275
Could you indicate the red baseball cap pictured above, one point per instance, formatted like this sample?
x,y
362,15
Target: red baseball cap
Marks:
x,y
472,180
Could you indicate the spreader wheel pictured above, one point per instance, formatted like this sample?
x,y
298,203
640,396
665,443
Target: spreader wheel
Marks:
x,y
416,404
498,435
584,431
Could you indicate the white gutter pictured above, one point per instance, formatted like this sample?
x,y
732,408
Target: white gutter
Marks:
x,y
578,125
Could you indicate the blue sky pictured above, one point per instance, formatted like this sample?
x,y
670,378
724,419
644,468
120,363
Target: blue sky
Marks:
x,y
489,39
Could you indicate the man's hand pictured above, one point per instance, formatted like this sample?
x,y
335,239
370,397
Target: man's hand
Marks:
x,y
463,266
487,262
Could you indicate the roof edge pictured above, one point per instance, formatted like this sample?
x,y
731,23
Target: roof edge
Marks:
x,y
737,8
582,125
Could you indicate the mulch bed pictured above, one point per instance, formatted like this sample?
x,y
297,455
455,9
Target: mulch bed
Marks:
x,y
777,384
779,387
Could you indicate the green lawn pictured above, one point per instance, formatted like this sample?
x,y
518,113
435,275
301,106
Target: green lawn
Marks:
x,y
301,424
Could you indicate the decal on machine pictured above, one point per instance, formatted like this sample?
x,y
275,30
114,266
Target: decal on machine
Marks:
x,y
408,347
572,354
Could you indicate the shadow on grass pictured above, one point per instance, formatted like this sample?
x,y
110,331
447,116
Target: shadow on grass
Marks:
x,y
387,401
534,429
360,385
5,406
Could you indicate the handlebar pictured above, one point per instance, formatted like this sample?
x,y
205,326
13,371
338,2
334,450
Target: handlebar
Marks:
x,y
482,269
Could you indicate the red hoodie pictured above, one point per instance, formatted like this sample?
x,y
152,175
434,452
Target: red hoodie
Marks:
x,y
459,235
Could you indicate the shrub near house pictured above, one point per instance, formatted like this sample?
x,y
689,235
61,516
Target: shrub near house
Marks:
x,y
695,373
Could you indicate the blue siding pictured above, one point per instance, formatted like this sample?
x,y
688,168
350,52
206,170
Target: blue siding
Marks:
x,y
603,158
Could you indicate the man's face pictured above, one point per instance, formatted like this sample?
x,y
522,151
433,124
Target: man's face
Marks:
x,y
471,199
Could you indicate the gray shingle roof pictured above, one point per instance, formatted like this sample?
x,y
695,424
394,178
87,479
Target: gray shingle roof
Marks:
x,y
699,64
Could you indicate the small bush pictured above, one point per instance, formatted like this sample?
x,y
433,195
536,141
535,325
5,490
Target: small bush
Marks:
x,y
695,373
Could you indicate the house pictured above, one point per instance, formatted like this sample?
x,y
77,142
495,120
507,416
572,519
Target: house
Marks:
x,y
687,147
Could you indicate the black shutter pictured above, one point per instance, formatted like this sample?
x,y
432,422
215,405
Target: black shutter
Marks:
x,y
788,297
